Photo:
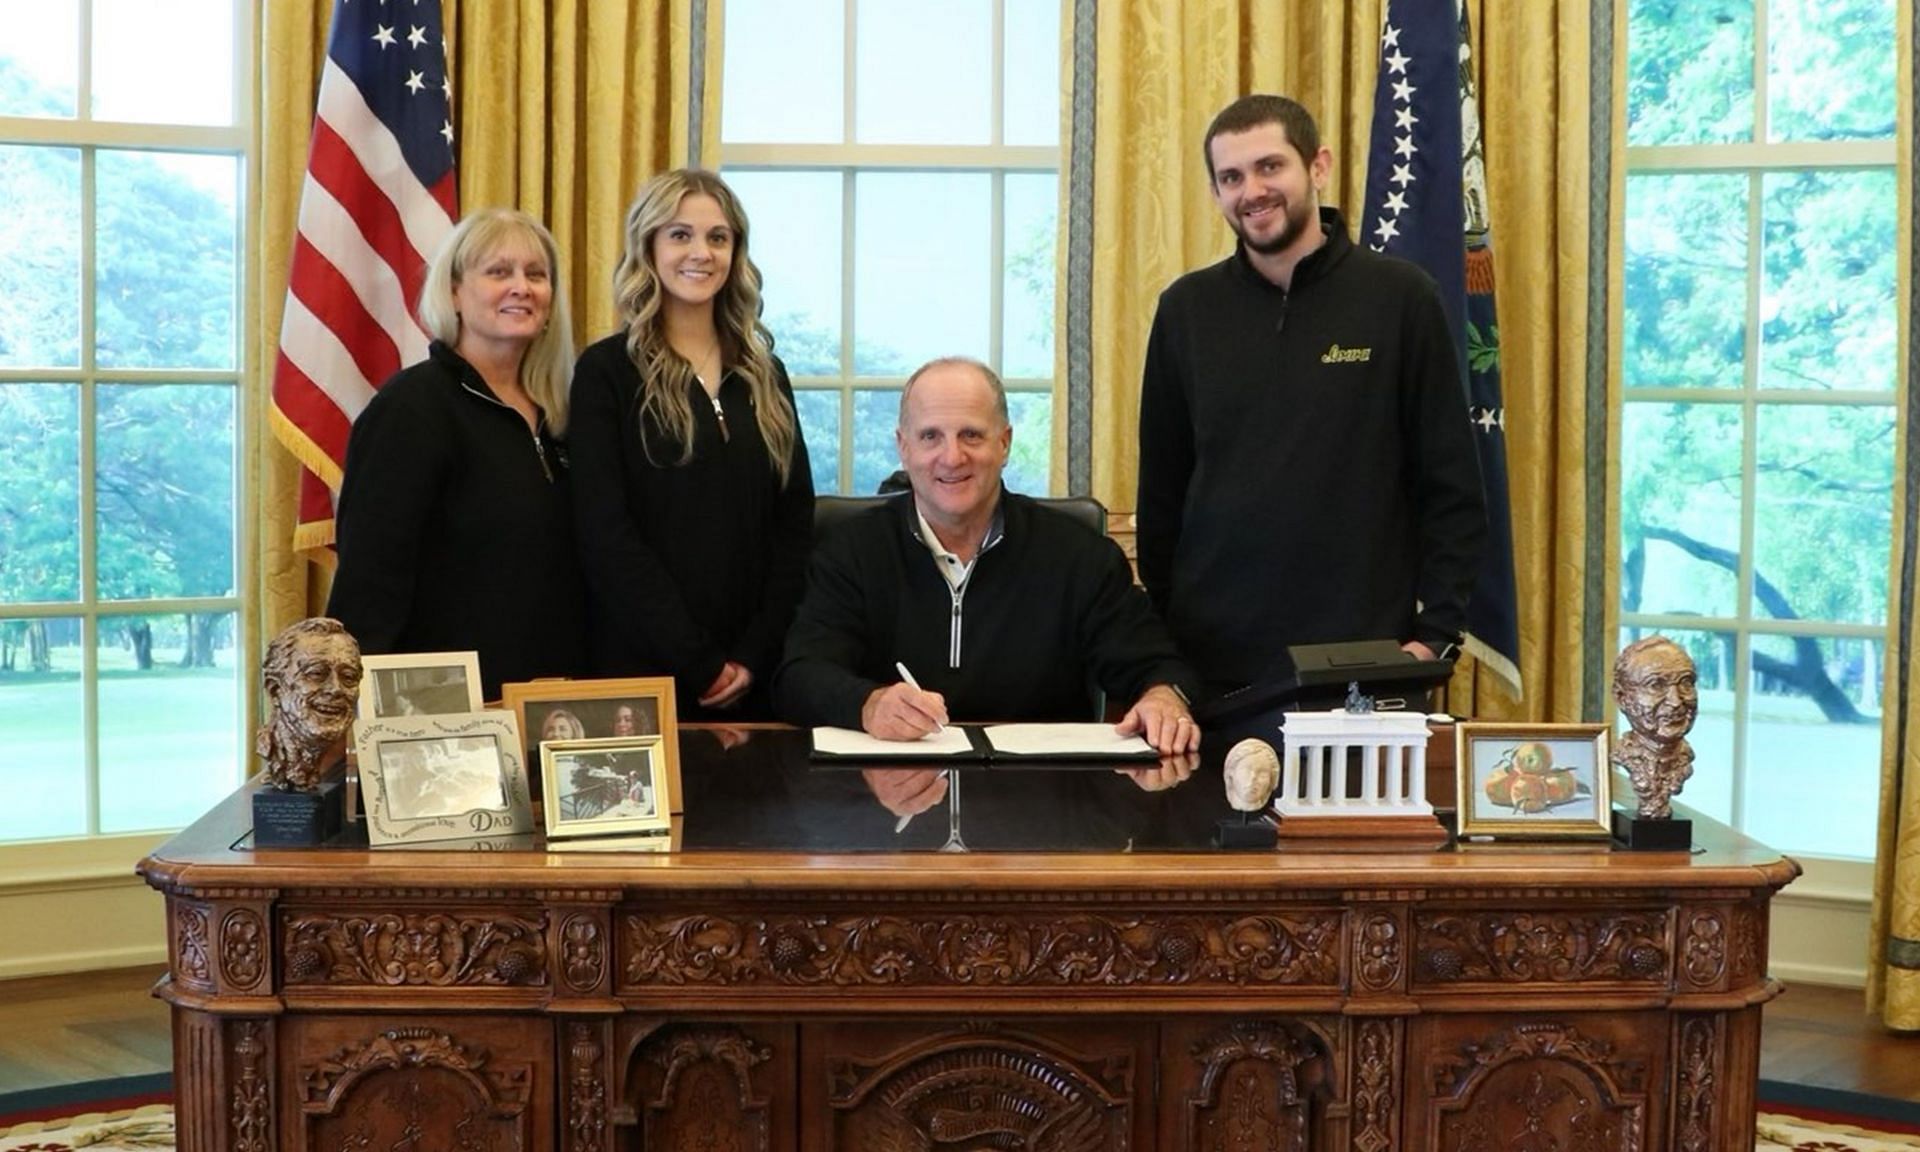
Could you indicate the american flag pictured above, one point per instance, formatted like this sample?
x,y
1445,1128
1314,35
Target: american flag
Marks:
x,y
378,199
1427,202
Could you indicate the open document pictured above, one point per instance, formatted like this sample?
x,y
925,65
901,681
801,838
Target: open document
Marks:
x,y
950,741
1094,741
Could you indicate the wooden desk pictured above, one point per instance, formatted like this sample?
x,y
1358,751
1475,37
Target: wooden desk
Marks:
x,y
1166,997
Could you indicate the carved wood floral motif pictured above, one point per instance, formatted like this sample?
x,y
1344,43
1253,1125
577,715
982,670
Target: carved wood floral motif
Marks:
x,y
252,1105
1377,952
1375,1100
1699,1084
586,1090
1705,949
1550,947
583,952
190,945
1072,950
414,948
242,948
326,1082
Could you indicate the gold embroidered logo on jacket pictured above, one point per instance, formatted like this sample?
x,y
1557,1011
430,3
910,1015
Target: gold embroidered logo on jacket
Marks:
x,y
1338,355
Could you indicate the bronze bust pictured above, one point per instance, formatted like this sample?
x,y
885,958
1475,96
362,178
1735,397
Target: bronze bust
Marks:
x,y
1654,685
312,678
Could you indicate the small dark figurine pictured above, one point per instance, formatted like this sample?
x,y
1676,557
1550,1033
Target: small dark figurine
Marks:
x,y
312,678
1654,685
1357,702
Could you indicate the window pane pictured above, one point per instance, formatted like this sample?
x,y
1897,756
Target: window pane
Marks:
x,y
1032,114
820,422
1028,461
876,413
1689,71
40,248
1680,508
794,238
1710,790
924,72
1685,297
43,774
1830,70
165,259
141,55
1827,296
923,268
39,59
163,461
1813,745
1823,512
169,719
770,97
1032,215
39,494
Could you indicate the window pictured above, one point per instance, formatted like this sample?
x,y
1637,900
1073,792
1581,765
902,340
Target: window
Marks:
x,y
899,161
123,162
1759,364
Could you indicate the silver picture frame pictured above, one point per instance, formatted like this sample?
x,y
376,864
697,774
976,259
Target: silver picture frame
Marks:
x,y
431,778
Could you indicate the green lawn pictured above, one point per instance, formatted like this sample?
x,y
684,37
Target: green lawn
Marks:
x,y
169,747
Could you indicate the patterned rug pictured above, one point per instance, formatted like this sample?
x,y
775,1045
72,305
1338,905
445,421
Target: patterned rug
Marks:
x,y
149,1127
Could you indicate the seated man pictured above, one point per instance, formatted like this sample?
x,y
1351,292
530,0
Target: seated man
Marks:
x,y
1000,608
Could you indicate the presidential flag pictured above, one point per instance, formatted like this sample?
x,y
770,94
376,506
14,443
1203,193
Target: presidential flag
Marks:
x,y
378,199
1427,202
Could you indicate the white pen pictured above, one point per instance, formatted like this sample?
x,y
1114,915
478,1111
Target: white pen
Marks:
x,y
915,685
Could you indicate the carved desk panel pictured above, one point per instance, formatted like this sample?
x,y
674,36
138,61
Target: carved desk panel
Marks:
x,y
1128,989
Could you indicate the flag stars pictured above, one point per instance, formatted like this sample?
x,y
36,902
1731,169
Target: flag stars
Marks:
x,y
1396,202
1403,146
1403,91
383,36
1397,63
1390,38
1386,229
1491,418
417,37
415,82
1402,175
1405,119
446,130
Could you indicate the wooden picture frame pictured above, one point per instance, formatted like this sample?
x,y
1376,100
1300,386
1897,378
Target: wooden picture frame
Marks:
x,y
549,710
419,684
1533,781
607,787
429,778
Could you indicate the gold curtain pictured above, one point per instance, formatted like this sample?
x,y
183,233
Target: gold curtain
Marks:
x,y
1164,67
1893,941
563,108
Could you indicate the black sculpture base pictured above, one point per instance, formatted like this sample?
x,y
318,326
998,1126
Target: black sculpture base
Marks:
x,y
1637,834
1245,833
297,819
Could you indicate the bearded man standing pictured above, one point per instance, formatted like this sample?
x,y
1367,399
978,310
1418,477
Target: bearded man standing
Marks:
x,y
1307,470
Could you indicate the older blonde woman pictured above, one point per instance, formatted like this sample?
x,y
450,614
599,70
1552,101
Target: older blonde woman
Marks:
x,y
455,521
694,500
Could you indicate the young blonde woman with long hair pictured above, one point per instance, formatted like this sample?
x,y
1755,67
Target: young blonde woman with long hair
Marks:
x,y
693,497
455,527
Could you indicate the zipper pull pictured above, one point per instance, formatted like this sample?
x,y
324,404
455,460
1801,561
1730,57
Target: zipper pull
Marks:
x,y
720,414
540,454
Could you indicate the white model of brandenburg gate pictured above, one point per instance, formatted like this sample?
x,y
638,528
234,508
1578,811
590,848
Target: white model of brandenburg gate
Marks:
x,y
1355,776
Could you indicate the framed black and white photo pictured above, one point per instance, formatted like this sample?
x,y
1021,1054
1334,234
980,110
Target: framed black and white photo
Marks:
x,y
565,710
1533,781
429,778
419,684
611,786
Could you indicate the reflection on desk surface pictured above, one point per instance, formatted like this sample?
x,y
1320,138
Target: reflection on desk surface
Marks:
x,y
757,789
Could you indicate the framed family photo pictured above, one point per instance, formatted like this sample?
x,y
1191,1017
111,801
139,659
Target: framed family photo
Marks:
x,y
557,710
1531,781
612,786
419,684
429,778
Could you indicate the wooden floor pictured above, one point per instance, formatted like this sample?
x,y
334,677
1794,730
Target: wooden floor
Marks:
x,y
67,1029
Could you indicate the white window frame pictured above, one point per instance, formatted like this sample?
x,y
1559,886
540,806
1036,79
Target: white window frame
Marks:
x,y
91,862
848,160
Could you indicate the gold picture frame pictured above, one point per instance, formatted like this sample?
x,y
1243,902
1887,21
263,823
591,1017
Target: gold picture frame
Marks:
x,y
607,787
433,778
1533,781
592,709
419,684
